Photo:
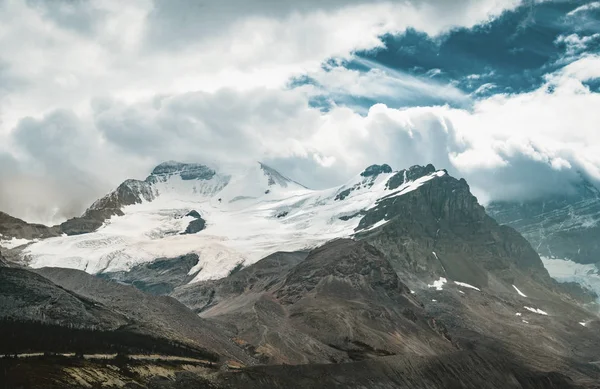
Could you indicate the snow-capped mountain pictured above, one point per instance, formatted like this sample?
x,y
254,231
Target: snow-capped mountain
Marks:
x,y
247,214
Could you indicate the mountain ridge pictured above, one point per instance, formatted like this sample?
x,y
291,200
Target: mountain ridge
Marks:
x,y
398,278
303,218
246,217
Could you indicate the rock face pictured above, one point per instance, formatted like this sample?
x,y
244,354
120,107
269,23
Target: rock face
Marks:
x,y
563,226
440,229
128,193
344,302
375,170
160,277
12,227
187,171
196,225
134,192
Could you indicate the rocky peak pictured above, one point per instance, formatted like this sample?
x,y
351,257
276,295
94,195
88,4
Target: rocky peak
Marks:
x,y
12,227
276,178
411,174
375,170
356,263
187,171
440,230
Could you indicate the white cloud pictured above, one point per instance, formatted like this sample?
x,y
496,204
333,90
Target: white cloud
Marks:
x,y
102,101
111,48
574,43
506,146
382,83
585,8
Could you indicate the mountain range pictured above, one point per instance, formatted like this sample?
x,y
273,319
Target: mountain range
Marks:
x,y
197,277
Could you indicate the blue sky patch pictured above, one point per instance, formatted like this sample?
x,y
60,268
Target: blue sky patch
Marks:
x,y
510,54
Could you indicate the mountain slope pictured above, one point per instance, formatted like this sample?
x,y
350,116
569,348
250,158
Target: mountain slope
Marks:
x,y
159,315
430,292
15,232
563,229
561,226
343,302
248,215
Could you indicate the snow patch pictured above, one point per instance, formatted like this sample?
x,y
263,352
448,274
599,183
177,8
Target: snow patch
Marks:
x,y
378,224
519,292
414,185
438,285
519,314
536,310
14,242
467,285
583,323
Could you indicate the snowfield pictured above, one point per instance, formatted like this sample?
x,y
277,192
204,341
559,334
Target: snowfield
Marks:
x,y
249,214
14,242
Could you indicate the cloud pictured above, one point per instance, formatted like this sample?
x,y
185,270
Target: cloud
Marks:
x,y
506,146
585,8
377,83
575,44
106,96
134,50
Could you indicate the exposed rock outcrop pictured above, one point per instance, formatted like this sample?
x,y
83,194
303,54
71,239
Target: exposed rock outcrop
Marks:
x,y
196,225
12,227
160,277
134,192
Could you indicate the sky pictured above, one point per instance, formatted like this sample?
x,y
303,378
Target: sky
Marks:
x,y
505,93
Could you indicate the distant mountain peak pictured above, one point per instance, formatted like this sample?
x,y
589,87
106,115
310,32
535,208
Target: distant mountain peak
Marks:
x,y
375,170
187,171
276,178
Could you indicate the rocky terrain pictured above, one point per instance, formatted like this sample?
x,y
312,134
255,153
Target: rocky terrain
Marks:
x,y
424,291
441,230
339,318
12,227
160,277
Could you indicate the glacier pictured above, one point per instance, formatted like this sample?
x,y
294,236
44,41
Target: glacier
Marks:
x,y
250,212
